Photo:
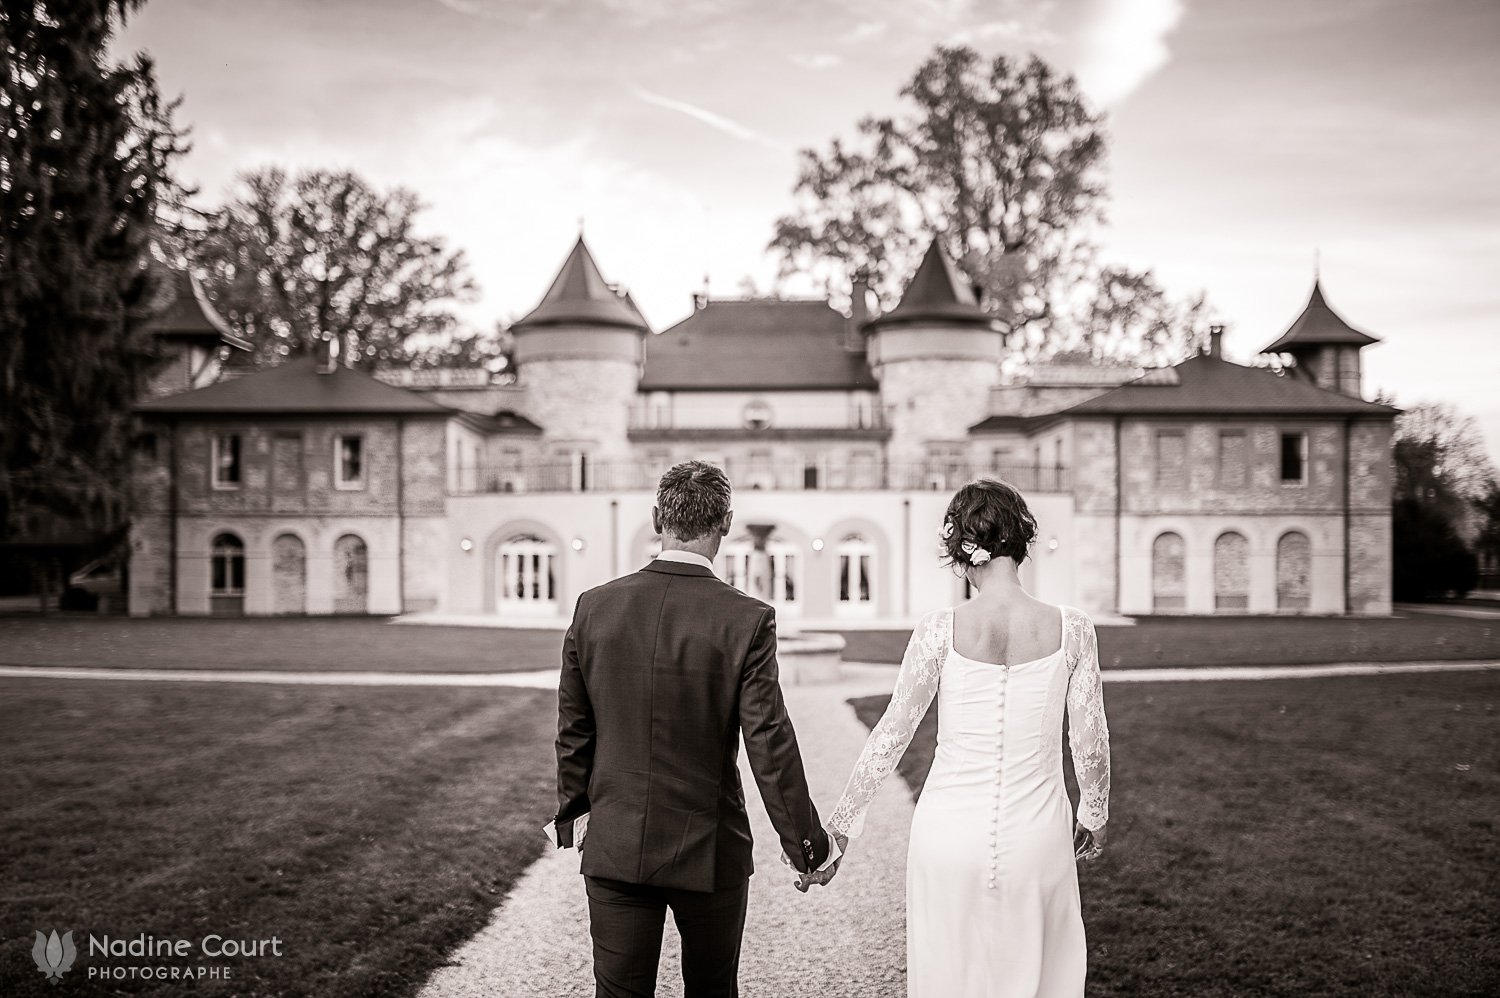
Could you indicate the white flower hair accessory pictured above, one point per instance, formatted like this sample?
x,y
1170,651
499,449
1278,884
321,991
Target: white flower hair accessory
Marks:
x,y
977,555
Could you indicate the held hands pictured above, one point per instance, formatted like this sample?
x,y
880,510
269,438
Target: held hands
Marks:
x,y
1087,845
822,877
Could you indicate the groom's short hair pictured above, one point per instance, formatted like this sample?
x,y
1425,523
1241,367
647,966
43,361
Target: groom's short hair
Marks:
x,y
692,499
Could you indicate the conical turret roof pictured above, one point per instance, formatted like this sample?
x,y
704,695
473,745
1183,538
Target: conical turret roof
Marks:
x,y
1319,325
579,294
937,293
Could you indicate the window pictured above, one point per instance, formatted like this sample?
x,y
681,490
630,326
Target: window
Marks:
x,y
526,575
226,461
1231,572
1233,459
810,473
227,573
1294,458
1293,571
1171,459
349,461
861,411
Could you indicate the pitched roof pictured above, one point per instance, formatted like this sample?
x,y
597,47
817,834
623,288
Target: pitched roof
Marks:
x,y
1319,325
757,344
190,315
579,294
503,421
937,293
297,387
1214,386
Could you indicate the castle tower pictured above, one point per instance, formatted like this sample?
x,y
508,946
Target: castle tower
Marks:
x,y
1325,347
936,355
578,356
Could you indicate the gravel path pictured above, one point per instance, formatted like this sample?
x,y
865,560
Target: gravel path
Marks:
x,y
846,940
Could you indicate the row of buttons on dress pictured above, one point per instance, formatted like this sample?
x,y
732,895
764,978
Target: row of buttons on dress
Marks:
x,y
999,775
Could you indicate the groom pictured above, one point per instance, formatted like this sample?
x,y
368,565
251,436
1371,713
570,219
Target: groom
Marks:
x,y
662,671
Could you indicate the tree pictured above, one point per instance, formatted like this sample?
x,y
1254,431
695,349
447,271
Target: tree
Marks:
x,y
325,254
85,153
1130,317
999,161
1003,163
1442,478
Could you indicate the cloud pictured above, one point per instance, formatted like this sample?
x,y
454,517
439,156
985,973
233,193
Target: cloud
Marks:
x,y
709,118
1123,44
1003,31
817,60
863,32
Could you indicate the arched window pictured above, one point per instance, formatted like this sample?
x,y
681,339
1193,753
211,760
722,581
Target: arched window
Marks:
x,y
527,574
1293,571
226,587
351,575
1231,572
288,574
856,558
1168,573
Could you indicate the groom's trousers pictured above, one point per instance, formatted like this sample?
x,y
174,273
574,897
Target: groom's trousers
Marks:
x,y
626,921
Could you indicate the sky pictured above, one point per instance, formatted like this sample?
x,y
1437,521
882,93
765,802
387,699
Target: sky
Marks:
x,y
1248,138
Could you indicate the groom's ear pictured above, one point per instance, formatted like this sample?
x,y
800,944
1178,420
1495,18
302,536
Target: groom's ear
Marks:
x,y
656,519
724,527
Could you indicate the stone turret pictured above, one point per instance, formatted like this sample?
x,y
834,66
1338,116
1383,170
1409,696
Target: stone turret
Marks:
x,y
936,355
578,358
1325,348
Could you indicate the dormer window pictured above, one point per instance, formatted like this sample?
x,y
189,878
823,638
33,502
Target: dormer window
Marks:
x,y
757,415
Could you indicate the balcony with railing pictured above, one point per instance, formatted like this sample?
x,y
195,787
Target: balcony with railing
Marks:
x,y
582,475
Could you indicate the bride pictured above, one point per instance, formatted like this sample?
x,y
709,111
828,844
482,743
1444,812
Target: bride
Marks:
x,y
992,904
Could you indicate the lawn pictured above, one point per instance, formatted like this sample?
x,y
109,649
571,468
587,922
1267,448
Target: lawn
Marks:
x,y
370,830
1294,837
1195,641
318,644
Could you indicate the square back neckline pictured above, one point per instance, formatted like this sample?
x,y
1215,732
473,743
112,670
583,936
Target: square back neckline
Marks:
x,y
1062,615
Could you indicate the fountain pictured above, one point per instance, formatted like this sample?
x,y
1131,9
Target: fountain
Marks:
x,y
805,659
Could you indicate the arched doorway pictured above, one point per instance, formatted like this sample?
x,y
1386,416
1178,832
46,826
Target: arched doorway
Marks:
x,y
351,575
1293,571
288,575
779,582
1168,573
1231,573
526,576
855,578
226,586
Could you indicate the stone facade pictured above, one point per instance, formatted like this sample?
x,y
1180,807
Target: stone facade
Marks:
x,y
511,500
288,516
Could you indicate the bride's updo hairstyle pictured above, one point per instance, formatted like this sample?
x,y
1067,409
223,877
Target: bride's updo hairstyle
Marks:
x,y
987,519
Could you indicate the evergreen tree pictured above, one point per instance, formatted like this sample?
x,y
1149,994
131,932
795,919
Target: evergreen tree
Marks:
x,y
85,150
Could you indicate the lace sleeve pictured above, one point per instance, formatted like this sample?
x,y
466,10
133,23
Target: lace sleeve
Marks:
x,y
916,685
1088,732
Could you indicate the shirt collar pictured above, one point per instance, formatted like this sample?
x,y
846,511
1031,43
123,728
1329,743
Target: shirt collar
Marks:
x,y
686,558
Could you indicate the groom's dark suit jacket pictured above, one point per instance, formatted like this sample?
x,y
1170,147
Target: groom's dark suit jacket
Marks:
x,y
662,670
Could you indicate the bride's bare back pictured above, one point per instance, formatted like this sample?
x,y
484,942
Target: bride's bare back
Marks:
x,y
1009,628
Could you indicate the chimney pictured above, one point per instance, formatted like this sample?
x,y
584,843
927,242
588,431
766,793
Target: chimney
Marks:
x,y
859,313
1216,341
324,362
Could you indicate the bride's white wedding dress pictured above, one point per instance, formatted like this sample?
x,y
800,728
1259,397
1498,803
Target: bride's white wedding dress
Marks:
x,y
992,904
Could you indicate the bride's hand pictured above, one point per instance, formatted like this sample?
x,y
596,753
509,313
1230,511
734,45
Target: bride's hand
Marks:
x,y
1088,844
